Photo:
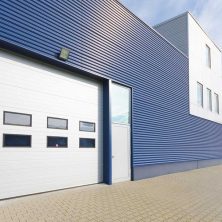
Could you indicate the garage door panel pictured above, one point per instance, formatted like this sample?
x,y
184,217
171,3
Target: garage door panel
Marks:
x,y
14,90
25,169
14,97
39,139
41,90
42,80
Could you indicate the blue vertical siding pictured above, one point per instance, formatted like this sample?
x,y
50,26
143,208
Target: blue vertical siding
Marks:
x,y
108,40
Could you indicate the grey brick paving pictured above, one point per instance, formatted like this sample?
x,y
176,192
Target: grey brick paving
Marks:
x,y
190,196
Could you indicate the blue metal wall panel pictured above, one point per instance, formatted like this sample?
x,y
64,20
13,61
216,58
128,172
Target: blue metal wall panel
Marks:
x,y
175,30
108,40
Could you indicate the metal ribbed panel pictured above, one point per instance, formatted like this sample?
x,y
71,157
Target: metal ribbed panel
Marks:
x,y
106,39
175,30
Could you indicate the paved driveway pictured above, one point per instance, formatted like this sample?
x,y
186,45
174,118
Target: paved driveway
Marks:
x,y
189,196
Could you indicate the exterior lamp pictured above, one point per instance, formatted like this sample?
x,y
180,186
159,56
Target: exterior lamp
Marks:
x,y
64,54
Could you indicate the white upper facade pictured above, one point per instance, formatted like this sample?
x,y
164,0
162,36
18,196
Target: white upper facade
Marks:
x,y
205,65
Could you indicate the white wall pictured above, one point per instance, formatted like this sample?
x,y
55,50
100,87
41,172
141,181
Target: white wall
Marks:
x,y
41,90
199,72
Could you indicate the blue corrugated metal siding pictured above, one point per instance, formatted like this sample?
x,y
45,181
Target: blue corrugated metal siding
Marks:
x,y
176,31
106,39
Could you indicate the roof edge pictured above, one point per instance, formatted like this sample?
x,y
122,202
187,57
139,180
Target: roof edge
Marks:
x,y
151,28
171,19
183,14
204,31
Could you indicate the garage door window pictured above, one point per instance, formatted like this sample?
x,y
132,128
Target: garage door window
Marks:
x,y
18,119
57,123
86,126
86,143
57,142
15,140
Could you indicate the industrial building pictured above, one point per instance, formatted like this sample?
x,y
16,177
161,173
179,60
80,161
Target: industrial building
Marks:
x,y
91,94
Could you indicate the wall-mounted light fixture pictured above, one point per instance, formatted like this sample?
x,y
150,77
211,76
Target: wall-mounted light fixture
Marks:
x,y
64,54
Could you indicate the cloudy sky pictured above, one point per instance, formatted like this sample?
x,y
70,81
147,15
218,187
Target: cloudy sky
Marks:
x,y
207,12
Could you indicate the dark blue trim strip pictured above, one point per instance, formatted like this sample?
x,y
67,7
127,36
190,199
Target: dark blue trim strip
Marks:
x,y
131,137
107,134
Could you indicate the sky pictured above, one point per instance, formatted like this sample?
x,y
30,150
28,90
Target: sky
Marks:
x,y
207,12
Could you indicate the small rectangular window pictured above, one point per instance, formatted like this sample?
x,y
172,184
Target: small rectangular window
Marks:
x,y
208,56
57,123
86,126
121,104
209,99
199,94
86,143
17,119
57,142
217,105
15,140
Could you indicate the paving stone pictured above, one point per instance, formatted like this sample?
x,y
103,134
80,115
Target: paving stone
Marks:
x,y
189,196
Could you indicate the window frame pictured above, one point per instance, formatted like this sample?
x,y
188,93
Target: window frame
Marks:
x,y
85,147
11,124
129,89
3,140
58,146
67,123
217,103
86,130
208,56
209,100
202,99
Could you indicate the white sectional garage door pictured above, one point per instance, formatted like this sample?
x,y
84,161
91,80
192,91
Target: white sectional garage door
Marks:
x,y
31,93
